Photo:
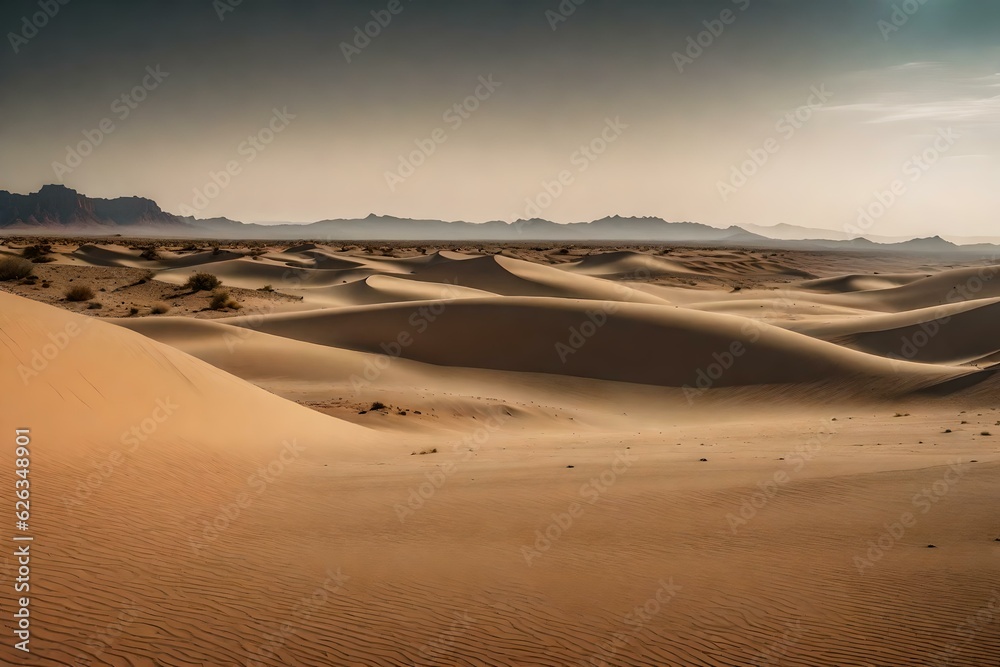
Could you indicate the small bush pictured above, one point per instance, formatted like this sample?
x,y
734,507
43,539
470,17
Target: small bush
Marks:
x,y
79,293
44,259
202,282
94,305
220,299
266,288
378,405
150,254
133,311
15,268
36,251
160,308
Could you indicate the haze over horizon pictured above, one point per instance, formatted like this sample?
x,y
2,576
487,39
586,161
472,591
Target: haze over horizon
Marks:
x,y
883,86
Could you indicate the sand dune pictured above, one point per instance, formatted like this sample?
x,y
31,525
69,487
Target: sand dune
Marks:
x,y
634,343
514,277
955,333
94,375
386,289
102,255
625,264
539,488
862,283
938,289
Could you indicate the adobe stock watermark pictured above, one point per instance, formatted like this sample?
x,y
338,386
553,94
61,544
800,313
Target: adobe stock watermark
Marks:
x,y
223,7
121,108
594,319
131,440
922,503
247,151
419,321
778,650
562,12
464,449
913,170
708,375
45,355
786,127
30,25
969,628
590,493
291,278
364,34
768,489
928,330
714,28
443,646
102,641
580,160
454,116
257,483
637,620
334,583
900,16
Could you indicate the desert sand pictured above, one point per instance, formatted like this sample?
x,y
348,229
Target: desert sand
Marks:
x,y
477,455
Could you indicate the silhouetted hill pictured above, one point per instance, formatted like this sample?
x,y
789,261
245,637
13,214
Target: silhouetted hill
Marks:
x,y
57,209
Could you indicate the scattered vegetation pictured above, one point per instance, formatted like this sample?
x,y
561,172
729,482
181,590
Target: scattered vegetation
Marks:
x,y
15,268
79,293
36,252
221,300
202,282
160,308
146,277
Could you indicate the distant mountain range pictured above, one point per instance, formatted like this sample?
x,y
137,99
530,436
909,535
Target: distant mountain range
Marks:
x,y
59,210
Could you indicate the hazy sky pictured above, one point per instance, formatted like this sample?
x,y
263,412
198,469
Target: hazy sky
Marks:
x,y
667,136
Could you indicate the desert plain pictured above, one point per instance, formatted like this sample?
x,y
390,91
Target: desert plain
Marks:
x,y
519,454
